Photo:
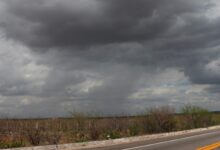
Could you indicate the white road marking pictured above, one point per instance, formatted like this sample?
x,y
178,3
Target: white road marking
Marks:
x,y
170,141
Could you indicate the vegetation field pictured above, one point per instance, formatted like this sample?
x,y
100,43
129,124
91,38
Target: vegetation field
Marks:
x,y
80,127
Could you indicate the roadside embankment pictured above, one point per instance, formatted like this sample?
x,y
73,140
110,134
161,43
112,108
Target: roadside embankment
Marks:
x,y
94,144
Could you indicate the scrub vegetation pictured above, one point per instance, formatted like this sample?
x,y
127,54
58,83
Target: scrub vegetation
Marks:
x,y
80,127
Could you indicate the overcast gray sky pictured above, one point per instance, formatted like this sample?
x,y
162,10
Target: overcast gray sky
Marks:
x,y
108,56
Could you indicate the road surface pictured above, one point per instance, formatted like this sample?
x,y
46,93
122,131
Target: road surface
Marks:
x,y
190,141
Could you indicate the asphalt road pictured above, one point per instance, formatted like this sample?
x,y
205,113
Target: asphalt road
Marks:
x,y
191,141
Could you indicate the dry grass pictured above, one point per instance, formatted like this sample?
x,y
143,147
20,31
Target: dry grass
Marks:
x,y
18,132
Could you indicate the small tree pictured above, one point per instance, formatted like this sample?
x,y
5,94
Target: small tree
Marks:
x,y
196,116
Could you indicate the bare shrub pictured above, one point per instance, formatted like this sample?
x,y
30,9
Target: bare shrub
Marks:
x,y
79,124
35,135
53,137
94,130
53,131
116,127
160,120
79,121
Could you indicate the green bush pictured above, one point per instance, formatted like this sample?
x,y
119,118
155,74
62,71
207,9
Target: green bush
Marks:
x,y
112,135
196,117
134,129
12,144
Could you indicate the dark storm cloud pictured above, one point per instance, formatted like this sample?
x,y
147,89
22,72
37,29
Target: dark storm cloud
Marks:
x,y
60,24
97,51
200,75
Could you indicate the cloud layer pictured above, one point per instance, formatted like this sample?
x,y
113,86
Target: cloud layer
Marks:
x,y
107,56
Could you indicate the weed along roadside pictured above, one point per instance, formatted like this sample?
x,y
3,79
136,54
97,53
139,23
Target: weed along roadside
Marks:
x,y
81,128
